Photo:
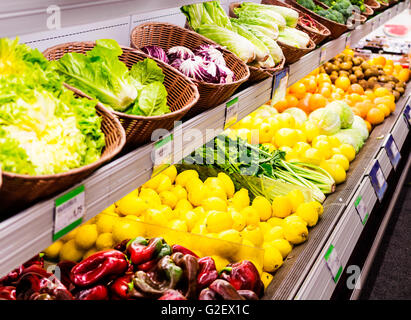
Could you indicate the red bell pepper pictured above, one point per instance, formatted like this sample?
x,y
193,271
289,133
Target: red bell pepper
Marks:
x,y
99,266
208,272
147,266
8,293
243,276
98,292
142,250
13,276
225,290
183,250
122,286
65,269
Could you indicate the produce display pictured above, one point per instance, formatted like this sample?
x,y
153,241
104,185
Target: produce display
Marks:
x,y
253,35
138,268
206,63
100,74
38,113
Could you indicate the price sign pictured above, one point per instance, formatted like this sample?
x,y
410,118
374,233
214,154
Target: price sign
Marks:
x,y
392,151
361,208
69,211
407,115
333,263
348,40
378,180
231,113
280,83
162,154
323,53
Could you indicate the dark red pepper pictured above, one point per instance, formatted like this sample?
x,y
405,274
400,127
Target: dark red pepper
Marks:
x,y
37,284
99,266
183,250
65,269
208,272
208,294
225,290
243,276
13,276
122,246
147,266
142,250
98,292
8,293
247,294
122,286
172,295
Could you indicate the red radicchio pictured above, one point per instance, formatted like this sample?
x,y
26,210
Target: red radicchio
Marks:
x,y
179,52
198,69
156,52
226,75
210,53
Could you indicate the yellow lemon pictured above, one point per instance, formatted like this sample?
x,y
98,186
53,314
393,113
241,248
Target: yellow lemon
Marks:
x,y
335,170
179,191
127,229
110,210
308,213
251,215
131,204
295,232
274,221
227,183
69,236
341,160
272,259
232,241
266,279
217,221
263,207
313,156
321,137
239,219
283,246
301,147
105,223
282,207
171,172
69,251
324,147
264,226
190,217
132,217
86,236
89,252
186,176
200,211
294,217
286,120
197,193
273,234
155,216
214,203
310,130
266,132
348,151
105,241
285,137
183,205
240,199
253,234
53,251
318,206
164,183
150,196
153,182
296,198
179,225
199,228
168,198
334,141
336,151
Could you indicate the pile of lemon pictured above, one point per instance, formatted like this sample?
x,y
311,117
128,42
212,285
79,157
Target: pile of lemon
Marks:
x,y
300,138
211,208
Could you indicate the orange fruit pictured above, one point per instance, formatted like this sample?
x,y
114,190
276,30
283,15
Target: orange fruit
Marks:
x,y
335,96
304,105
292,101
310,84
356,88
375,116
322,78
404,75
380,60
298,89
356,111
381,91
281,105
384,108
355,97
388,70
387,100
389,62
369,94
369,126
325,91
316,101
343,83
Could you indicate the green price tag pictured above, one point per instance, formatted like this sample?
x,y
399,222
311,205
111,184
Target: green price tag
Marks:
x,y
323,54
279,86
162,154
361,208
348,40
69,211
231,113
333,263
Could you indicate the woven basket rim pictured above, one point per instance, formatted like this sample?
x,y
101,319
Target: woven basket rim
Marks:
x,y
270,70
215,85
311,46
368,10
73,171
372,4
135,117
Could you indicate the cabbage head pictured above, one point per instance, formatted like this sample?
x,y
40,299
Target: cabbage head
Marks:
x,y
359,124
344,111
351,136
326,119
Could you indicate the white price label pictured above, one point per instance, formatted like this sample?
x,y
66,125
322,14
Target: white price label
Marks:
x,y
162,154
392,151
378,180
323,53
333,263
380,177
361,208
69,212
231,113
348,40
279,86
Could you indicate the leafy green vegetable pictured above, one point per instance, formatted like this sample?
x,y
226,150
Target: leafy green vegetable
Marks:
x,y
360,124
309,4
146,72
152,100
344,111
326,119
294,37
351,136
267,17
196,15
217,14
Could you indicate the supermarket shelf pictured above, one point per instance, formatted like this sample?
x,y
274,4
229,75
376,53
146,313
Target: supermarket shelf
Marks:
x,y
30,231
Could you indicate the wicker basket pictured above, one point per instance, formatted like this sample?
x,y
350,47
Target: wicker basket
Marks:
x,y
182,94
291,53
368,11
316,36
19,190
335,28
373,4
166,35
